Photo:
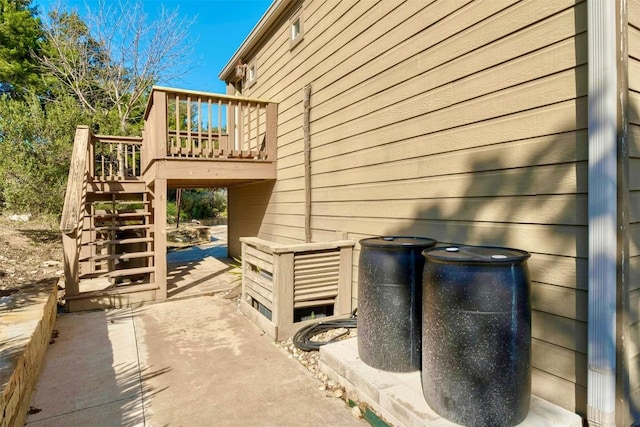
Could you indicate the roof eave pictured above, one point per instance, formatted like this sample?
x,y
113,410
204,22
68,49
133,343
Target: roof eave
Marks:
x,y
268,19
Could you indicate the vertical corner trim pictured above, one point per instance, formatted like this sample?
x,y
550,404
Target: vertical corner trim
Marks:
x,y
603,209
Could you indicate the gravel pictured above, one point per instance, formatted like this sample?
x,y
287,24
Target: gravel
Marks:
x,y
309,359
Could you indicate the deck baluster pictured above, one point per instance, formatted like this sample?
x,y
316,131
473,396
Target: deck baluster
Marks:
x,y
199,145
223,150
178,135
210,146
189,144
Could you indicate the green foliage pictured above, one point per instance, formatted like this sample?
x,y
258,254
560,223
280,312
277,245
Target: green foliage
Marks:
x,y
36,142
202,203
236,270
172,211
21,38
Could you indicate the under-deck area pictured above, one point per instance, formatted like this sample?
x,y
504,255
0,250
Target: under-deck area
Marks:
x,y
192,270
204,268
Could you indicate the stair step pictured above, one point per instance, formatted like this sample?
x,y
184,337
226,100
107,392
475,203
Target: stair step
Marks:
x,y
125,256
92,192
119,222
118,290
115,210
130,271
109,187
121,227
100,180
117,202
121,241
120,273
121,215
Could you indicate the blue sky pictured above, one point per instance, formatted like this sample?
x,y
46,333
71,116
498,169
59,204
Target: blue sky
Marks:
x,y
220,27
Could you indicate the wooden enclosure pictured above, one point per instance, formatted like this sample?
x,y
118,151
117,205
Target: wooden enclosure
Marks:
x,y
278,280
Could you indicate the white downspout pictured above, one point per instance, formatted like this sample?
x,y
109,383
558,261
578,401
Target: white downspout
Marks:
x,y
601,382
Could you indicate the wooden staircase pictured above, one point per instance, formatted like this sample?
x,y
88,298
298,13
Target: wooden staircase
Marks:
x,y
110,253
117,245
116,248
114,218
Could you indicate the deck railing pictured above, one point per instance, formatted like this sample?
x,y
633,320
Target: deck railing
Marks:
x,y
115,157
188,124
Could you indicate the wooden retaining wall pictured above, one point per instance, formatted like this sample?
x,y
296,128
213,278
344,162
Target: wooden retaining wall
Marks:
x,y
26,333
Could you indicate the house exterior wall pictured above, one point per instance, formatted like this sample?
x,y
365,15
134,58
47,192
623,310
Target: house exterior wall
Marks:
x,y
457,120
633,348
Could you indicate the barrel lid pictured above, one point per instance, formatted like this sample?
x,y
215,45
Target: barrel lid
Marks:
x,y
474,254
398,241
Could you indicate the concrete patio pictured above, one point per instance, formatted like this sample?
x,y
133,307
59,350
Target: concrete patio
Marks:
x,y
191,362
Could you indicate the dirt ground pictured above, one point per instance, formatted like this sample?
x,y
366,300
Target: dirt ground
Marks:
x,y
30,252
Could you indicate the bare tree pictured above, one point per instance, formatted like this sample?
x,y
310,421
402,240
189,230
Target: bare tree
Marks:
x,y
73,57
113,61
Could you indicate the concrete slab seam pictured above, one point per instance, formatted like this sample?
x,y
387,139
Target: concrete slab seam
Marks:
x,y
140,381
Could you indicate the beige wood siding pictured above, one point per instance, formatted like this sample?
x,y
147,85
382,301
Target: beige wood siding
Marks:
x,y
463,121
633,349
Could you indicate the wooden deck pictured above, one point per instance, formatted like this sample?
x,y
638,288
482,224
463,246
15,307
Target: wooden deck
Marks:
x,y
114,216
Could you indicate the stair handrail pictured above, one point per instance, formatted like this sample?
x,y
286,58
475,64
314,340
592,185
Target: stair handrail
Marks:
x,y
72,211
76,182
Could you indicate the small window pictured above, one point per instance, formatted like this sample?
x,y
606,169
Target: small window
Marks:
x,y
251,73
297,29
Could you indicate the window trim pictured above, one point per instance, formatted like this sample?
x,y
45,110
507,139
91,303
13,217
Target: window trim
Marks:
x,y
252,68
295,40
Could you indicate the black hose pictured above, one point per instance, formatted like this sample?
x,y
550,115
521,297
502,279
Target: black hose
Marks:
x,y
302,338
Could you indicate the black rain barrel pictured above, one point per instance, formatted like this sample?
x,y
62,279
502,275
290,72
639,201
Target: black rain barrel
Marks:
x,y
390,302
476,335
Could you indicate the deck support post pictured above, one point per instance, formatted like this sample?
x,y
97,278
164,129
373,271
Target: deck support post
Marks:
x,y
160,236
